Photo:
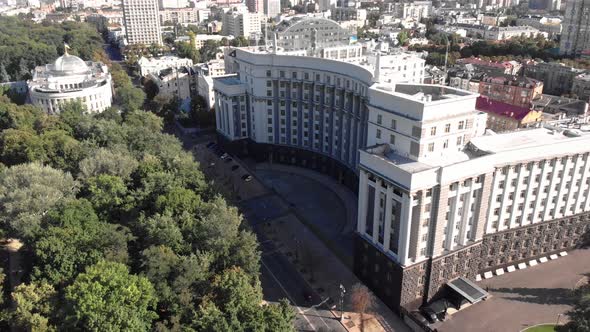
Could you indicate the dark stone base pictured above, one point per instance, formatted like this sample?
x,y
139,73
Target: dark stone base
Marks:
x,y
405,289
291,156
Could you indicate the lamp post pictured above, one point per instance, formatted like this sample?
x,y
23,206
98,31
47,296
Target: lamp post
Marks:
x,y
342,292
558,317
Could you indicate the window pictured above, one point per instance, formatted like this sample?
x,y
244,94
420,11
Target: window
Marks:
x,y
392,139
459,140
461,125
379,119
378,133
268,74
393,124
448,128
432,131
431,147
416,131
446,144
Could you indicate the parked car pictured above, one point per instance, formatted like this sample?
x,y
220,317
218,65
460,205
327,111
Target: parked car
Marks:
x,y
210,145
228,160
234,167
247,177
223,156
436,310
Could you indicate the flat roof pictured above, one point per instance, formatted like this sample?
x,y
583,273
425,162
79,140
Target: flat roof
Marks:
x,y
228,80
469,290
520,140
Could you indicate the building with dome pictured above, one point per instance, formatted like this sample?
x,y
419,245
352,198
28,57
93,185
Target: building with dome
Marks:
x,y
70,78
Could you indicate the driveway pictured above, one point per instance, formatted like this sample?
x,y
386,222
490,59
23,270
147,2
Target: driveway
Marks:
x,y
524,297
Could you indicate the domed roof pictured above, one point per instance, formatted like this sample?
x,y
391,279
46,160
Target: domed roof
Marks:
x,y
70,64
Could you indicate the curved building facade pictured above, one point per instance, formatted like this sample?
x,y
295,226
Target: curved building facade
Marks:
x,y
68,79
298,110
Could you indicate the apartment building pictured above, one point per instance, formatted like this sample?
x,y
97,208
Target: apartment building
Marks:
x,y
557,78
142,22
156,65
518,91
242,23
575,37
581,86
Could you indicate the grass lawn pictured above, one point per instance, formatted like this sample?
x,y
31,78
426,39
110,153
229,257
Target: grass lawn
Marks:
x,y
541,328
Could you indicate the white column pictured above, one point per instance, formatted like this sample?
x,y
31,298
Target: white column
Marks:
x,y
570,195
376,210
404,231
516,200
387,224
550,193
362,203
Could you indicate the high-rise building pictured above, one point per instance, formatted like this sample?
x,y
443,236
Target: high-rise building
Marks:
x,y
142,22
242,23
575,35
255,6
438,199
272,8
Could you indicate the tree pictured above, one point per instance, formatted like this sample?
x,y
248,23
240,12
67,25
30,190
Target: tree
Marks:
x,y
107,298
402,38
105,161
129,98
107,193
29,191
34,305
580,313
150,88
240,41
75,239
362,300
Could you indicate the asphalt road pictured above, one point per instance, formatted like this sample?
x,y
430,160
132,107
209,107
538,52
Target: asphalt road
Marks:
x,y
280,279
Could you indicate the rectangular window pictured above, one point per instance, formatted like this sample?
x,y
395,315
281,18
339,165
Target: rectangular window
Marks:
x,y
392,139
431,147
432,131
461,124
379,119
448,128
393,124
378,133
446,144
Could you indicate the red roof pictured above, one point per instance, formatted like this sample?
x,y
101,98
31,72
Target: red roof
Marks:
x,y
499,108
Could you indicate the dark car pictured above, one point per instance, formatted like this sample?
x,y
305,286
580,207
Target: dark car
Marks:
x,y
247,177
228,160
436,310
307,296
210,145
234,167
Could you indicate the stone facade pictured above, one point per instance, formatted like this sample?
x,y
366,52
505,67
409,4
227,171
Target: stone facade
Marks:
x,y
406,289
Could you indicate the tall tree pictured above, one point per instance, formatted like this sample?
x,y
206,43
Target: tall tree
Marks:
x,y
107,298
29,191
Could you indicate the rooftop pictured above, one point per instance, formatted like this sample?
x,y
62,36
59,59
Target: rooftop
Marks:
x,y
228,80
499,108
423,92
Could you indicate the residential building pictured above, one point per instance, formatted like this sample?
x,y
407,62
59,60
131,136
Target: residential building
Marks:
x,y
311,34
272,8
242,23
183,16
142,22
173,4
467,80
491,67
560,110
327,5
504,117
173,82
551,25
201,39
434,75
348,14
397,67
493,19
156,65
581,86
576,28
557,78
549,5
255,6
437,198
414,10
505,33
514,90
70,79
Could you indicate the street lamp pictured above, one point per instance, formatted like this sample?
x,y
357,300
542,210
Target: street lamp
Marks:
x,y
558,317
342,292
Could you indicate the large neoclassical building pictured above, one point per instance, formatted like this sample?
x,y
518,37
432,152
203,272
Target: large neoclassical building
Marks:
x,y
438,197
67,79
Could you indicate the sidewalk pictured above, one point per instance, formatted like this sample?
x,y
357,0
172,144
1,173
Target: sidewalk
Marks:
x,y
324,271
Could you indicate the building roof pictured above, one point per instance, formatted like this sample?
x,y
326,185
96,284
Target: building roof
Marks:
x,y
467,289
514,80
488,105
69,64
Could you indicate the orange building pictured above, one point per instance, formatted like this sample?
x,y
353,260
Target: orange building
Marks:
x,y
518,91
505,117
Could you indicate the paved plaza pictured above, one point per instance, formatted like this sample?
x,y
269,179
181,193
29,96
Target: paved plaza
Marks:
x,y
524,297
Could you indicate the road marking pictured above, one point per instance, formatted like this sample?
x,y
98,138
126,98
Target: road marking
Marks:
x,y
289,297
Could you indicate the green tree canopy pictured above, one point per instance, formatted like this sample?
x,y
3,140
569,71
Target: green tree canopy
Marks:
x,y
107,298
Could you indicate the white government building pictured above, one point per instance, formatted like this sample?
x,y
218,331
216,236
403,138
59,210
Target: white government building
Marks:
x,y
68,79
439,197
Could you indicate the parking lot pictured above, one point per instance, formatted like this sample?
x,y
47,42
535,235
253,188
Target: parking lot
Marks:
x,y
524,297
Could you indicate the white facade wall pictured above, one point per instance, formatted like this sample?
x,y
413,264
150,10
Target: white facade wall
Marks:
x,y
142,22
